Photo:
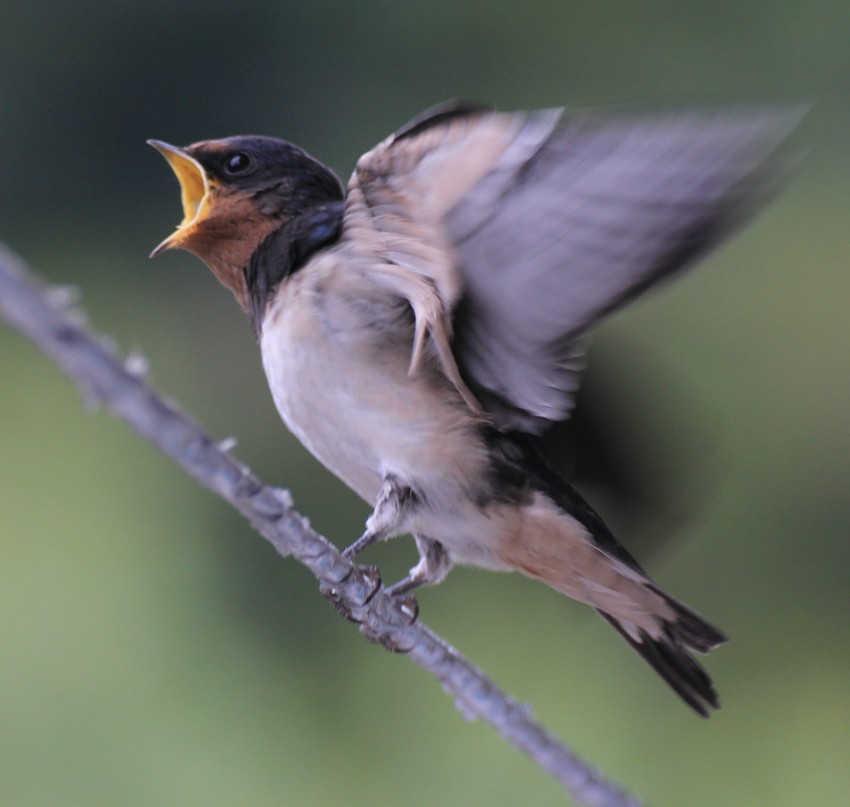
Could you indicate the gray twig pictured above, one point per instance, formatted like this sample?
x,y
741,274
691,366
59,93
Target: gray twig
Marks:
x,y
47,317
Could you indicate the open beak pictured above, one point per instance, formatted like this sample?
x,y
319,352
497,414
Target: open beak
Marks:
x,y
194,191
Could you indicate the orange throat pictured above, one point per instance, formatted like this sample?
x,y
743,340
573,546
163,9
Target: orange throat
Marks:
x,y
226,239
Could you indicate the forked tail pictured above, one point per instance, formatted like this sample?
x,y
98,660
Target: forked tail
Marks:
x,y
668,653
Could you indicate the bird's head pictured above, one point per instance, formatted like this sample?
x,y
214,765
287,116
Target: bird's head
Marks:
x,y
235,193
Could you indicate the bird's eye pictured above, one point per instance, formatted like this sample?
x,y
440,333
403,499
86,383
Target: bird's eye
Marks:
x,y
237,162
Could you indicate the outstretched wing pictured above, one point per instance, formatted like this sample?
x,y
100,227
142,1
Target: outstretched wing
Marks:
x,y
531,227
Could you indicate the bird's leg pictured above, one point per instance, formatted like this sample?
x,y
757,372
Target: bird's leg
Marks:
x,y
434,564
394,503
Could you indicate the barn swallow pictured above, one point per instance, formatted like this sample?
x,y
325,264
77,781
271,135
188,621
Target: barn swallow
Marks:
x,y
422,328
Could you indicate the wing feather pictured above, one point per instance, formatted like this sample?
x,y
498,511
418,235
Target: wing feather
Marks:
x,y
531,227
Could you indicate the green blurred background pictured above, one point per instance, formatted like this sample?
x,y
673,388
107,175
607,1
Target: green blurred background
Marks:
x,y
153,649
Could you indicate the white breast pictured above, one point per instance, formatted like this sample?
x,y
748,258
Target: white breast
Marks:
x,y
336,352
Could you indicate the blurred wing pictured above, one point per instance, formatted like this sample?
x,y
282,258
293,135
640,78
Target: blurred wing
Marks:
x,y
531,227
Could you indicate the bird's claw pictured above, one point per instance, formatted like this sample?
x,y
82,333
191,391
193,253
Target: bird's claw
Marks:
x,y
408,604
352,594
400,612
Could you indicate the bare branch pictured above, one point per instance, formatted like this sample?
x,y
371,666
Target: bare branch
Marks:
x,y
47,318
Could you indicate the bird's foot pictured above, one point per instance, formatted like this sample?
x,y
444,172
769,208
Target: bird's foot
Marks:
x,y
407,603
401,589
393,505
367,539
353,593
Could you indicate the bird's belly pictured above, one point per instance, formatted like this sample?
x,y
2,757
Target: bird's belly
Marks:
x,y
347,395
319,412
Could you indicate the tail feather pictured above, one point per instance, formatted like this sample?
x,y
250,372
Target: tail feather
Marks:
x,y
690,628
566,544
668,653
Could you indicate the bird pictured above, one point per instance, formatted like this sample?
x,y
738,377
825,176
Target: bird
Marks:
x,y
423,327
